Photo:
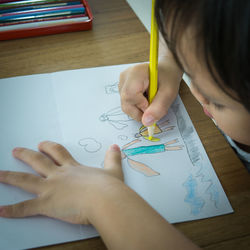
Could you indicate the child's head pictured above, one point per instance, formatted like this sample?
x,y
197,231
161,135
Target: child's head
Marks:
x,y
210,40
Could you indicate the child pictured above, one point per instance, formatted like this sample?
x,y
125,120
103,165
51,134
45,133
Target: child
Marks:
x,y
207,39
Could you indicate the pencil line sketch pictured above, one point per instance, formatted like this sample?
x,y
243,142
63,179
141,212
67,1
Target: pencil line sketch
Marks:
x,y
116,117
122,137
112,88
199,169
127,153
90,145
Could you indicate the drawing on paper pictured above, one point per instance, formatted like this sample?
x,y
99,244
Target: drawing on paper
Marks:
x,y
195,201
119,120
112,88
90,145
116,117
128,153
159,128
199,171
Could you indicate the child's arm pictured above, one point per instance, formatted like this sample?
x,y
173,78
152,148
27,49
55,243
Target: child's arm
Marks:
x,y
126,221
134,83
78,194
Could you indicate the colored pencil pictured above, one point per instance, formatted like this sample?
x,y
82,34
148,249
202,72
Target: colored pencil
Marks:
x,y
42,19
153,63
43,24
42,10
28,3
38,7
11,18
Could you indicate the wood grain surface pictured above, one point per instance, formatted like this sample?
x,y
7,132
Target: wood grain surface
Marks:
x,y
118,37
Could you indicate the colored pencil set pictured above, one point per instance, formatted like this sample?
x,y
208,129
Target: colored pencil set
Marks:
x,y
25,18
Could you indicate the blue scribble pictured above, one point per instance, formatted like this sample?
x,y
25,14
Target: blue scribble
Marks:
x,y
212,189
195,156
195,201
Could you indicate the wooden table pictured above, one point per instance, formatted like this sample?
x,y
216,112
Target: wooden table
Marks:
x,y
118,37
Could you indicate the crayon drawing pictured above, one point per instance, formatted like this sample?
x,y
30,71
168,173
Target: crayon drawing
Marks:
x,y
195,201
159,128
128,153
161,145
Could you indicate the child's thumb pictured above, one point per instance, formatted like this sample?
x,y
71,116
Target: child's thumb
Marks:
x,y
158,108
112,162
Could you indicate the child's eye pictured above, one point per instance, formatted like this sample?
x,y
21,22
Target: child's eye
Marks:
x,y
218,106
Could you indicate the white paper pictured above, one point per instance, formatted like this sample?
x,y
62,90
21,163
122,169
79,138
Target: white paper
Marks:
x,y
28,116
81,109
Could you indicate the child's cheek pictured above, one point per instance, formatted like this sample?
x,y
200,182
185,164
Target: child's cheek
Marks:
x,y
230,125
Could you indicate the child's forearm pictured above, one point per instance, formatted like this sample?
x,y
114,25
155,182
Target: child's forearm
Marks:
x,y
126,221
167,60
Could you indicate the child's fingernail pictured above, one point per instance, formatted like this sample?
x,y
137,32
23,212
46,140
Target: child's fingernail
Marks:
x,y
14,151
115,148
149,120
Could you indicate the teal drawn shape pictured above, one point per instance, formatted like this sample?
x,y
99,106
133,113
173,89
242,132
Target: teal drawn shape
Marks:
x,y
153,149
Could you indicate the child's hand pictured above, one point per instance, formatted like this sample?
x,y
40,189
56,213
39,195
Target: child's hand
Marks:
x,y
134,82
65,189
78,194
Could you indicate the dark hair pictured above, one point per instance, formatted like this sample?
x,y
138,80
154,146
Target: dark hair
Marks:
x,y
222,34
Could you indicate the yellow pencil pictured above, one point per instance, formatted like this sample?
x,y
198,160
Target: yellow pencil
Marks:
x,y
153,63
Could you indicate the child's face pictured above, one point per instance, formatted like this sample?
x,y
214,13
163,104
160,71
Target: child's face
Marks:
x,y
230,116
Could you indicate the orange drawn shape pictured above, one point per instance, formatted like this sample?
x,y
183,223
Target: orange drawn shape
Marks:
x,y
142,168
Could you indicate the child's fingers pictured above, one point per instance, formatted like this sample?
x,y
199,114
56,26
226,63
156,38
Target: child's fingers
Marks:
x,y
39,162
159,107
133,94
134,104
133,83
134,112
112,162
28,182
22,209
57,152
